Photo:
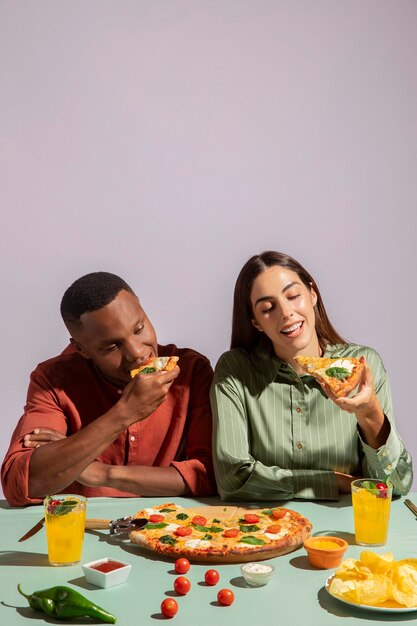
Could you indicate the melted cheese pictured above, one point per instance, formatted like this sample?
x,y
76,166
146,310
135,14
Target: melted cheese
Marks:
x,y
348,365
154,512
171,528
198,543
282,533
160,362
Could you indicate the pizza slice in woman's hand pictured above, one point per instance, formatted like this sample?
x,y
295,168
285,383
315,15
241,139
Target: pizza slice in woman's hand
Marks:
x,y
342,375
156,364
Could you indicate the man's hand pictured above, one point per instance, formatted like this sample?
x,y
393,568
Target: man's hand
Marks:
x,y
54,467
40,436
144,394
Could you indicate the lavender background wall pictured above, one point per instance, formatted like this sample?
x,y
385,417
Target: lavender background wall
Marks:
x,y
169,141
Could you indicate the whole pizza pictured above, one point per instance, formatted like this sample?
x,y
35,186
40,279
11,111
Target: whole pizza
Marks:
x,y
221,533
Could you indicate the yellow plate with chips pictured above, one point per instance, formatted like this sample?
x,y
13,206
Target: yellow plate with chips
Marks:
x,y
376,582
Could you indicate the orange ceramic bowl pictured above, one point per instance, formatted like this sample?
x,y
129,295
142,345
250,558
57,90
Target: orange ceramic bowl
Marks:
x,y
325,552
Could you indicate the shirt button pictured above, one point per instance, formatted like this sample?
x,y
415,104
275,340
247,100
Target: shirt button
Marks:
x,y
389,467
120,391
299,445
132,438
299,409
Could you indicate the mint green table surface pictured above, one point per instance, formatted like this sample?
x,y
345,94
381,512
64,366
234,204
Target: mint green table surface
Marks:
x,y
296,594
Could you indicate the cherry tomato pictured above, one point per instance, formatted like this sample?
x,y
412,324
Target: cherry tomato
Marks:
x,y
182,585
279,513
200,520
52,504
251,518
183,531
211,577
182,566
169,607
383,490
225,597
156,519
231,532
273,529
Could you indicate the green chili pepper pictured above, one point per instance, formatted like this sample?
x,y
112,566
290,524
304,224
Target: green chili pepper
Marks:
x,y
65,603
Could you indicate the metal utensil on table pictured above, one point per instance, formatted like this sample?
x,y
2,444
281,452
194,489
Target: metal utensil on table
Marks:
x,y
116,527
33,530
126,524
411,506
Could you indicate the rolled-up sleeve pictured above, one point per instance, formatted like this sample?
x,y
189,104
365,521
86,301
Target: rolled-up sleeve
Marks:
x,y
197,468
390,461
42,410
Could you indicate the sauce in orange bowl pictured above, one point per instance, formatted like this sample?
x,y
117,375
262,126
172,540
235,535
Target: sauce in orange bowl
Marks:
x,y
325,552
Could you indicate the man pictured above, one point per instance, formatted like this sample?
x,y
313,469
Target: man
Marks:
x,y
89,428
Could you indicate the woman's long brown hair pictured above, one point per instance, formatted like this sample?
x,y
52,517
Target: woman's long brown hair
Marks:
x,y
244,334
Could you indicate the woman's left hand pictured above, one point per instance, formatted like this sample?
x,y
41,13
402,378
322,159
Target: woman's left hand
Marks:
x,y
365,405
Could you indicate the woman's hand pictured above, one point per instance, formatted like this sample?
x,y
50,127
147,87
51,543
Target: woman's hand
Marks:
x,y
40,436
365,405
344,482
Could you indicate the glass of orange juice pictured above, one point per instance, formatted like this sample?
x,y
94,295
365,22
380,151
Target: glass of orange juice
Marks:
x,y
65,525
371,501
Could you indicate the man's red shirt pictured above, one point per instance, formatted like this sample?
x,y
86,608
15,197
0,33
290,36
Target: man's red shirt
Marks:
x,y
67,392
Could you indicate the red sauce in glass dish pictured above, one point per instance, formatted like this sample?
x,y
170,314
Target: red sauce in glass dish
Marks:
x,y
107,566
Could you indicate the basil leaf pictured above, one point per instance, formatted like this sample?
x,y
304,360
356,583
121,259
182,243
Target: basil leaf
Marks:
x,y
338,372
208,529
167,510
181,516
216,521
147,370
249,528
168,539
208,537
65,507
202,529
371,487
150,526
267,512
253,541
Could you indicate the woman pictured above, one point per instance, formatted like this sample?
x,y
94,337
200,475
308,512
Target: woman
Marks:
x,y
278,434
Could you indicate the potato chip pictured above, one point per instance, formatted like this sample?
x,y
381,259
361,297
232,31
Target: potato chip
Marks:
x,y
377,563
376,579
371,591
404,584
351,569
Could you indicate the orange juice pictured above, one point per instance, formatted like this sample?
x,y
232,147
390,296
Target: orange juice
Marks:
x,y
371,511
65,525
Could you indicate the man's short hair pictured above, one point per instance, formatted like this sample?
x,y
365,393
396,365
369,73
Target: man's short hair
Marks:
x,y
90,293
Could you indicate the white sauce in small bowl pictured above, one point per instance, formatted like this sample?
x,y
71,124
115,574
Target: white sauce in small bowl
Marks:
x,y
257,574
